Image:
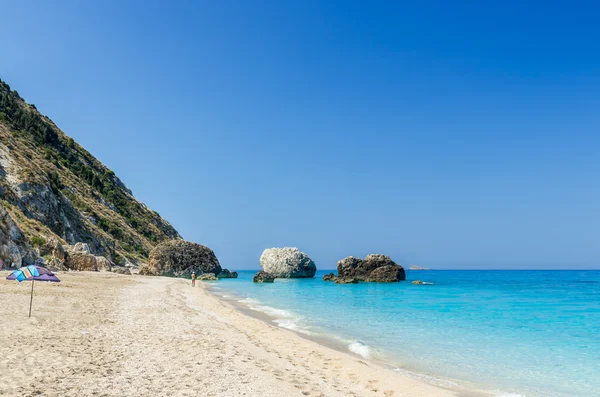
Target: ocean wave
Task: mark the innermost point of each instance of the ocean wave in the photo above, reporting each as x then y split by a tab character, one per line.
250	301
290	324
283	318
361	349
502	394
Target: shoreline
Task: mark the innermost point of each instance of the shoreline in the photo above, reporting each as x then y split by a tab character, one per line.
330	341
113	335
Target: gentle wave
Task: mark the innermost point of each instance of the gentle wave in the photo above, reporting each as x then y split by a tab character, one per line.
502	394
283	318
361	349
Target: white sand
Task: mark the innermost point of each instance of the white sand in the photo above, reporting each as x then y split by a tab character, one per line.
100	334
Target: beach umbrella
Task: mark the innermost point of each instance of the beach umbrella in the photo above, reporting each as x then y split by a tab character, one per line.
33	273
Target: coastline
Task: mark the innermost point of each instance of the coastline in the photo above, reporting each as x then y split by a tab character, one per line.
461	389
107	334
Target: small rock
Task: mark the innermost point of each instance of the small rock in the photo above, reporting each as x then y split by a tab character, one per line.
329	277
263	277
227	274
207	277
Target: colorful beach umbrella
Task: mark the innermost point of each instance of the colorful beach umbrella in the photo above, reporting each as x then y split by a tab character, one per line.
33	273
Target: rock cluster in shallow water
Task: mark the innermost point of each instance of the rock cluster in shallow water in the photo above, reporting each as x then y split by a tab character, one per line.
227	274
263	277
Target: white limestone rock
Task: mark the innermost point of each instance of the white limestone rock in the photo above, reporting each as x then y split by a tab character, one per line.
287	262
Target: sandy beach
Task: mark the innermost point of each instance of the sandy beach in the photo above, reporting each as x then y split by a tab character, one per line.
101	334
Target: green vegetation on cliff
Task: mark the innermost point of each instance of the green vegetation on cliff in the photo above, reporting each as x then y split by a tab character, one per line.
52	187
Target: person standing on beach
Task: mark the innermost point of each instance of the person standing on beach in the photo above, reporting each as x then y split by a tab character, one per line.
193	279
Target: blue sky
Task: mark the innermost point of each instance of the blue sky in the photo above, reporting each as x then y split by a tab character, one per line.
444	134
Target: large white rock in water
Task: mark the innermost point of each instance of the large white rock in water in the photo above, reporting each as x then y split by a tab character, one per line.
287	262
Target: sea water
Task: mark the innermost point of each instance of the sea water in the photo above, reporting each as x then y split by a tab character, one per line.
515	333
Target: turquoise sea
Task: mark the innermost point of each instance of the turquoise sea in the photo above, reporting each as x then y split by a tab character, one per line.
515	333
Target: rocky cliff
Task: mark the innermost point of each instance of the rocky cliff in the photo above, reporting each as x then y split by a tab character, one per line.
51	188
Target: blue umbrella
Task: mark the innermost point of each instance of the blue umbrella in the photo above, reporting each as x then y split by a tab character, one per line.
33	273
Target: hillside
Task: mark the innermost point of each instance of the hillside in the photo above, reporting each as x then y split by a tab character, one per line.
51	188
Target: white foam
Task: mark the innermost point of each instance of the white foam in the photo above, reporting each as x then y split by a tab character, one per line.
283	318
250	301
290	324
361	349
502	394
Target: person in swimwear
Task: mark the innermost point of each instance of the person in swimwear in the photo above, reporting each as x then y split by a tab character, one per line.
193	279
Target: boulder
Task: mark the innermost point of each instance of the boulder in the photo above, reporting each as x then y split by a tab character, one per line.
55	265
81	248
387	274
227	274
180	258
348	280
207	277
329	277
263	277
287	263
122	270
374	268
145	271
53	248
59	252
79	260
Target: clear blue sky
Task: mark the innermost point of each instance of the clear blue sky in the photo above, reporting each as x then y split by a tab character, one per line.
444	134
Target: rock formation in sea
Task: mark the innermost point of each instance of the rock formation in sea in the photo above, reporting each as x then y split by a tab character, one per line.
374	268
52	189
179	258
347	280
329	277
207	277
287	262
227	274
263	277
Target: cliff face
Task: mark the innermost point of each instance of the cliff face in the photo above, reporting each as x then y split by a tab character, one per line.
52	188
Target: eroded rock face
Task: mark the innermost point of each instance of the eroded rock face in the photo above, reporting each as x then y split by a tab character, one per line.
263	277
287	262
374	268
179	258
227	274
14	247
